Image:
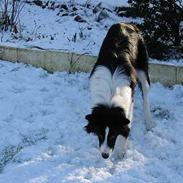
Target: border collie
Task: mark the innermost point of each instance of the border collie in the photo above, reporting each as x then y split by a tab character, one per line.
121	64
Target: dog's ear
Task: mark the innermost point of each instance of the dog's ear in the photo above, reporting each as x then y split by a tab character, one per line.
89	117
126	121
89	127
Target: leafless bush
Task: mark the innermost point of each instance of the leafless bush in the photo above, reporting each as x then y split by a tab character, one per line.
73	61
9	14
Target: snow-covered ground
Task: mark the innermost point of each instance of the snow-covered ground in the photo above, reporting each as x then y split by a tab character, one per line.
57	29
42	138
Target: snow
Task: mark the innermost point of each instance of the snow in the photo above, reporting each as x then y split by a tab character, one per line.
42	115
42	138
50	30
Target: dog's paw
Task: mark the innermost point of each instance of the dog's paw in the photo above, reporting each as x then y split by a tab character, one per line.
150	125
119	156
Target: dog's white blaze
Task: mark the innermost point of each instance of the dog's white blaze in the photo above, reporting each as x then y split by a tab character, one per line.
111	89
104	148
145	89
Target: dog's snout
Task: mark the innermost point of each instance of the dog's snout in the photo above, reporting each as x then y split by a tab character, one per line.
105	155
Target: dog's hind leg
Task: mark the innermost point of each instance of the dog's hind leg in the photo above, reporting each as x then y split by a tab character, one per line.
145	83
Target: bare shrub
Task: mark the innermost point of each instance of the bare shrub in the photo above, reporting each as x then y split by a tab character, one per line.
9	14
74	61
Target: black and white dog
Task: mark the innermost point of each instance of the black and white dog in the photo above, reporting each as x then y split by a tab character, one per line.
121	64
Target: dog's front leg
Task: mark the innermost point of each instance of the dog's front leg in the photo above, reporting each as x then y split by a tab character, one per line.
120	147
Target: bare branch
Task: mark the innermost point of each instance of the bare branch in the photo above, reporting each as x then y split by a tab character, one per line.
10	14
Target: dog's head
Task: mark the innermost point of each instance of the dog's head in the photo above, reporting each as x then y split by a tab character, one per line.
107	123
